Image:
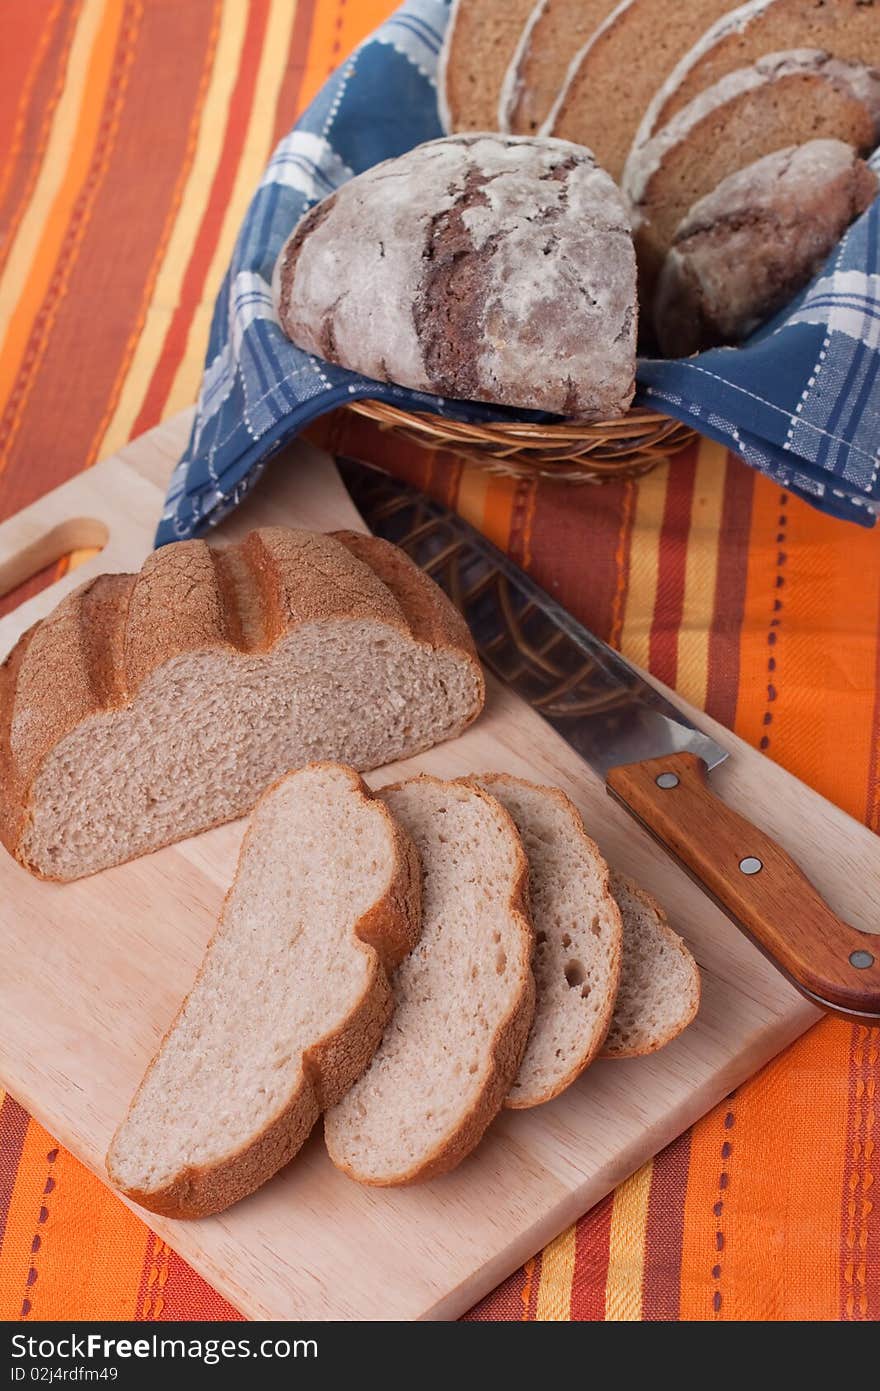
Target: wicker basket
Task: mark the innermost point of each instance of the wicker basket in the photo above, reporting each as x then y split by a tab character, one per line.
571	451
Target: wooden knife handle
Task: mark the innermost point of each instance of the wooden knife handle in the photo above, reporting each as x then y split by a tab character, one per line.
755	881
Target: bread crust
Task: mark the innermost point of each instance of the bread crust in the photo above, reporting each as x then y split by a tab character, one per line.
675	942
594	1041
93	653
387	932
511	1035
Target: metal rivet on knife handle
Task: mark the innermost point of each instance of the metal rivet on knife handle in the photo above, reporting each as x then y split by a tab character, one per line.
862	960
667	780
751	865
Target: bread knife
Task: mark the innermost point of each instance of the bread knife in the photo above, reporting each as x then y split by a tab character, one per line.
654	761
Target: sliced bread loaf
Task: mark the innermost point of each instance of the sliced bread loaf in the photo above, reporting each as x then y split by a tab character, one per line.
784	99
149	707
289	1003
449	268
616	74
849	29
577	938
464	999
745	249
659	991
556	30
480	41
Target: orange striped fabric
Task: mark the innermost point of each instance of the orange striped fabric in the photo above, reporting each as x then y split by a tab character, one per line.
131	134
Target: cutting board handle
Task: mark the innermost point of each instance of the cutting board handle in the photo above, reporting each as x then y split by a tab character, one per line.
757	883
18	565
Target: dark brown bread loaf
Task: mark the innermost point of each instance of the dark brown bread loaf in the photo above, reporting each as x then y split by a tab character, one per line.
618	71
849	29
480	41
783	99
491	268
745	249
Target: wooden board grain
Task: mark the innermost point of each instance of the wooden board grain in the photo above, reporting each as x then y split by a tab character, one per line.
93	972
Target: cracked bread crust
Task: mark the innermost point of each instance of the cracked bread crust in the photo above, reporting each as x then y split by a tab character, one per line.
748	247
450	268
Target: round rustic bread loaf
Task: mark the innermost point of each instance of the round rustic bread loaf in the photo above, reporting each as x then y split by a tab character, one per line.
556	30
847	28
480	40
482	267
745	249
783	99
618	71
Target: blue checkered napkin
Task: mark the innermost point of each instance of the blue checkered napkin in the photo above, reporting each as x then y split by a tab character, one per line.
799	402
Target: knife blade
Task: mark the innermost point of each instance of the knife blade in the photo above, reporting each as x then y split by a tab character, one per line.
655	762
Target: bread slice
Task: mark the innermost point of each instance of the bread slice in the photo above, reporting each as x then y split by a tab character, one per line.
556	30
578	936
850	29
784	99
149	707
750	245
659	990
479	43
617	72
289	1003
464	998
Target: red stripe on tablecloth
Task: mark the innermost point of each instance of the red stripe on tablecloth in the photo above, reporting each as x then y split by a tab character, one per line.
24	141
591	1262
515	1300
205	243
81	373
661	1290
669	605
574	538
13	1128
722	683
289	101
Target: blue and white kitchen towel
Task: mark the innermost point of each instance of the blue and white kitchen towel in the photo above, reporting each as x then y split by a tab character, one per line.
801	402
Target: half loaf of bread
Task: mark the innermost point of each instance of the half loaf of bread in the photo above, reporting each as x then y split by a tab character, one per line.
464	998
149	707
289	1003
577	938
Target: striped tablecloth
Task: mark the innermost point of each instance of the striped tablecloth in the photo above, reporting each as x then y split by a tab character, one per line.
131	134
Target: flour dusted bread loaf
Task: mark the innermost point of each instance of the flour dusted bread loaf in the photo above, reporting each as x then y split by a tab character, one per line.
578	935
289	1003
149	707
744	250
849	29
555	31
480	40
618	71
784	99
463	998
659	992
480	267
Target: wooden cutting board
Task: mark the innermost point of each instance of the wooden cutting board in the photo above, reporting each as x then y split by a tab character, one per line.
92	973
